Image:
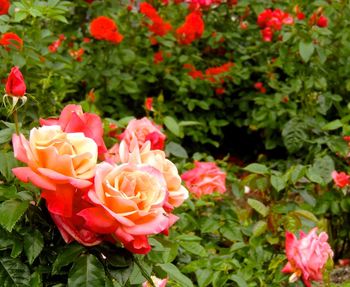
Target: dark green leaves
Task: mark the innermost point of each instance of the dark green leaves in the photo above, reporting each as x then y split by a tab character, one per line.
87	271
13	273
11	211
33	244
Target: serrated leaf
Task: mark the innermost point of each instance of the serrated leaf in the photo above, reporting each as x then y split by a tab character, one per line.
7	163
66	257
297	173
194	248
33	245
294	135
258	206
175	274
259	228
239	280
320	172
13	273
172	125
231	233
305	213
11	211
277	182
87	271
176	150
204	277
333	125
257	168
306	49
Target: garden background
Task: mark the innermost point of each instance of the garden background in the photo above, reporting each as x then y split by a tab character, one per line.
259	89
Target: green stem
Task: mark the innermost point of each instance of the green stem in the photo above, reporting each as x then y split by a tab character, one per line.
15	118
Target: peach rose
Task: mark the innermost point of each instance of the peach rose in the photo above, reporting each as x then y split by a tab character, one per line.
57	162
205	178
131	153
307	256
74	120
129	201
144	130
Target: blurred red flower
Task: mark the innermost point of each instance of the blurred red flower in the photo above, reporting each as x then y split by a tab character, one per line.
4	7
192	29
104	28
11	39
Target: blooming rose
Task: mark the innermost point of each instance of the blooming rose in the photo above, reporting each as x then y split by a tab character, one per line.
191	29
57	162
11	39
131	153
73	120
322	21
15	85
144	130
4	7
104	28
156	281
205	178
307	256
129	202
341	179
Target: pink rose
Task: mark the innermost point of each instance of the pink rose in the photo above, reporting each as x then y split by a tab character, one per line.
341	179
144	130
129	201
307	256
74	120
57	162
205	178
156	281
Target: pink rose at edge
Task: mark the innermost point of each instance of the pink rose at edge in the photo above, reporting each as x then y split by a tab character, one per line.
73	120
205	178
341	179
307	256
156	281
144	130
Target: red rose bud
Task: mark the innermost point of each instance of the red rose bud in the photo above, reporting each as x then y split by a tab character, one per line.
322	21
15	85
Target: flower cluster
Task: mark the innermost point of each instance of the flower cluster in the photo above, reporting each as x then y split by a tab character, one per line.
56	44
307	256
191	29
271	21
157	26
205	178
104	28
10	39
124	200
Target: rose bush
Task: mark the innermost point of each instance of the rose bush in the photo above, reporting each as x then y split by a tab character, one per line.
253	92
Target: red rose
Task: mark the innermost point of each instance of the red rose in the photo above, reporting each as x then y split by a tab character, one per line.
15	85
104	28
4	7
322	21
11	40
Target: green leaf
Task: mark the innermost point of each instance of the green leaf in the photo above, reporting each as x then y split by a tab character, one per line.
176	150
259	228
11	211
333	125
297	173
219	279
320	172
277	182
306	49
172	125
231	233
8	192
175	274
87	271
6	135
33	245
294	135
306	214
257	168
35	280
239	280
13	273
67	256
7	163
194	248
258	206
204	277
